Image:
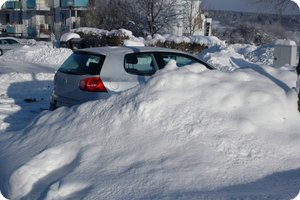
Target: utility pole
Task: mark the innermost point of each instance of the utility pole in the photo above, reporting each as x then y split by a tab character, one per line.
70	5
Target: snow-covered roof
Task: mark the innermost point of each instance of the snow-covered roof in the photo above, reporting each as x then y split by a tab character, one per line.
285	42
67	36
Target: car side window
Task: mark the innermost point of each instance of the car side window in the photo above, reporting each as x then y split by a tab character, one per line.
10	41
181	59
140	64
4	42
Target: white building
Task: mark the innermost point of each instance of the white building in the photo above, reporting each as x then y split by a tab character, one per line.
40	18
193	21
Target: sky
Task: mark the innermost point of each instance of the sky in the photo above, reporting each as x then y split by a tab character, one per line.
238	5
2	2
246	6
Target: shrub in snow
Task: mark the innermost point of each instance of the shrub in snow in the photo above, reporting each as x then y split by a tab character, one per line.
98	37
183	46
244	34
191	44
93	37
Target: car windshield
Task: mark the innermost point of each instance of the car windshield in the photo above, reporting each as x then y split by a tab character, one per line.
82	63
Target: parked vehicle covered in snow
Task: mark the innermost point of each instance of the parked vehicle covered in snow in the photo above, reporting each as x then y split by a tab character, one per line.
8	43
96	73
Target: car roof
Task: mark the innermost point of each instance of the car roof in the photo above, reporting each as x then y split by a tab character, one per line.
9	38
127	49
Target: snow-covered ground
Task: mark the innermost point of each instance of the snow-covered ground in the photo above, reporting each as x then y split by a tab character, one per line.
188	133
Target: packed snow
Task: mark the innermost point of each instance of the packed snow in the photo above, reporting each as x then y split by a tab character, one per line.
188	133
68	36
208	41
285	42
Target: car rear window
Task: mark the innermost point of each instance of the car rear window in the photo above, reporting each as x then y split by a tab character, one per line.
82	63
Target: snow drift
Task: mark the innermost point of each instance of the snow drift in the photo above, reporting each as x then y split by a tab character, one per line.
188	133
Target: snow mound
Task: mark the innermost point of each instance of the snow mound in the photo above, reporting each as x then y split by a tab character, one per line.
188	133
232	57
285	42
137	42
67	36
41	53
223	59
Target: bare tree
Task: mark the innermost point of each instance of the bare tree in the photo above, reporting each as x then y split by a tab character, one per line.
192	16
156	16
142	17
107	14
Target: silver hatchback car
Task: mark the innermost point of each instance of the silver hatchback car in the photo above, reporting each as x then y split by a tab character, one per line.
8	43
97	73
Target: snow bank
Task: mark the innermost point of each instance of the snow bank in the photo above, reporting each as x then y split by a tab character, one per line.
224	59
188	133
232	57
41	53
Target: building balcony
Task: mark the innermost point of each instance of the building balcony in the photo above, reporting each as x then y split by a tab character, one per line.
31	4
12	5
74	3
38	4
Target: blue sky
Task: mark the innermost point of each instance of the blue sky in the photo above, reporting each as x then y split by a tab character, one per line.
244	5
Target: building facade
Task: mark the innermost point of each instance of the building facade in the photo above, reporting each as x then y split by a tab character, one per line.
41	18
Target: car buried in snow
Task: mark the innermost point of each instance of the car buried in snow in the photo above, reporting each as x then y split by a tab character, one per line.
97	73
8	43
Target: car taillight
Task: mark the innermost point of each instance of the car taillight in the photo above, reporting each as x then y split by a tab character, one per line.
92	84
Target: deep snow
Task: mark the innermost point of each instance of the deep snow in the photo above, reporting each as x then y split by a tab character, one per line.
188	133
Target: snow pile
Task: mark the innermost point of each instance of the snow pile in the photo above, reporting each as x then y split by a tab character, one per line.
41	53
208	41
67	36
285	42
90	31
28	41
131	41
223	59
188	133
101	32
232	57
261	55
134	43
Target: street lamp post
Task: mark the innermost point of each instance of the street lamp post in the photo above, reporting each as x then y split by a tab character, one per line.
70	5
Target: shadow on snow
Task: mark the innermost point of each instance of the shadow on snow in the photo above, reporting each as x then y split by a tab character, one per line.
30	99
